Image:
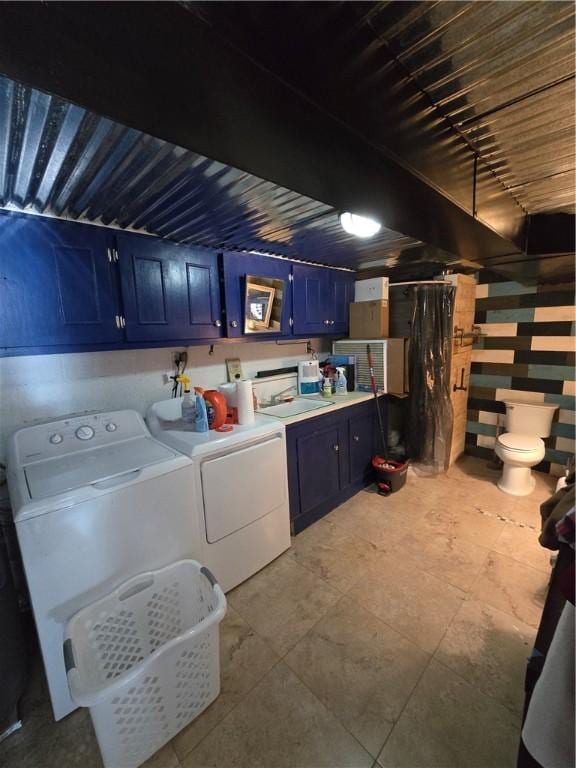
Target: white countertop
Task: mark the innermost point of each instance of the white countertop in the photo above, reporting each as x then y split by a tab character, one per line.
337	402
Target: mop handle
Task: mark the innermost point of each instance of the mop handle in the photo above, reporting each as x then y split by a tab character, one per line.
375	391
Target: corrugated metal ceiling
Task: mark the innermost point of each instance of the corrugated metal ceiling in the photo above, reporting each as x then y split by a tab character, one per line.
503	74
435	83
59	159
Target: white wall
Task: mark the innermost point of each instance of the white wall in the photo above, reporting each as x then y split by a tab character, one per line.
51	386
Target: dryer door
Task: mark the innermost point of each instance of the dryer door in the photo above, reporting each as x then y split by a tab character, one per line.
243	486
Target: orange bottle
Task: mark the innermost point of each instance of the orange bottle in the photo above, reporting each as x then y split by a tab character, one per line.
215	407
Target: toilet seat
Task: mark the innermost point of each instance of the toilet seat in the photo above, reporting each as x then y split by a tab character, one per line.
513	441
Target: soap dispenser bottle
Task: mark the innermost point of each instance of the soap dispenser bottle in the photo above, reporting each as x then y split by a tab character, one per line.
201	414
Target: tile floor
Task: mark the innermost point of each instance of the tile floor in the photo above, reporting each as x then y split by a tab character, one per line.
393	634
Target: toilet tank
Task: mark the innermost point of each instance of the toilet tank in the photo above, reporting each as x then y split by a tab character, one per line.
529	418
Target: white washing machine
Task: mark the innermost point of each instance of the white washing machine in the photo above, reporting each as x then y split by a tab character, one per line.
240	493
96	500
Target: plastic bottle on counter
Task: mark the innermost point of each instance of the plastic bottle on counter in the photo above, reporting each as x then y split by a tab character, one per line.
188	407
215	408
341	383
327	387
201	415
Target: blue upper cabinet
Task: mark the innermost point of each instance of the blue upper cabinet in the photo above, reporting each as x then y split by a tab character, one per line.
56	284
340	295
321	299
170	292
268	280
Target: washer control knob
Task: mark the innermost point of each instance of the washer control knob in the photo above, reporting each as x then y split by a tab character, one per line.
84	432
56	438
111	427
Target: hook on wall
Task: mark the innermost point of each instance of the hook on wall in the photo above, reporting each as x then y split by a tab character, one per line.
211	350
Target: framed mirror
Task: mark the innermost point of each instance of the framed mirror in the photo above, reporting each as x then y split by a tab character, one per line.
263	305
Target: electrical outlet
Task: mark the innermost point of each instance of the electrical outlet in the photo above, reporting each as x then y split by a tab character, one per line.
167	378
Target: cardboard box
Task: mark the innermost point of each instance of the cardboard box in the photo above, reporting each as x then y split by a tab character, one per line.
375	289
369	320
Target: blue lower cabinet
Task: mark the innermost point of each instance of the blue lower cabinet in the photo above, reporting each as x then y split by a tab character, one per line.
328	461
361	443
57	285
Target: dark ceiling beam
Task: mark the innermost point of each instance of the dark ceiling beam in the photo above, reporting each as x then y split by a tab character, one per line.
157	68
551	233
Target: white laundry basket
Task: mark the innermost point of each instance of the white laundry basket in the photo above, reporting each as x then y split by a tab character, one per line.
145	659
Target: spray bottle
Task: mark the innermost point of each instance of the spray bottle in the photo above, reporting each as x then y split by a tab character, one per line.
341	383
188	407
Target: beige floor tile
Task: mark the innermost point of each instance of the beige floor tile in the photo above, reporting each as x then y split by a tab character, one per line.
458	521
280	724
453	560
335	555
283	601
526	510
489	649
416	604
164	758
360	668
244	659
509	586
376	520
522	544
450	724
70	742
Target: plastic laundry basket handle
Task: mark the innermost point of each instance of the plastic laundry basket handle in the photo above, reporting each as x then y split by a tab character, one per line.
209	575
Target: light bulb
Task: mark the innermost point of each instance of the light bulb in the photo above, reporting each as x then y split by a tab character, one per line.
361	226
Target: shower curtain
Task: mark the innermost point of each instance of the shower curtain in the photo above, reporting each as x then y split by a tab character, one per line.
430	416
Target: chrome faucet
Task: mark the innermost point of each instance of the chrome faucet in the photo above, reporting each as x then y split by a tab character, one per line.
277	398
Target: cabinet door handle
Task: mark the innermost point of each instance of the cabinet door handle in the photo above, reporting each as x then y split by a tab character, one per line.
122	321
356	439
456	388
326	322
331	322
217	323
234	323
118	321
336	448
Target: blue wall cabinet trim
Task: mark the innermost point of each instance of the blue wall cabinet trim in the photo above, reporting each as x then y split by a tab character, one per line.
236	267
57	285
170	292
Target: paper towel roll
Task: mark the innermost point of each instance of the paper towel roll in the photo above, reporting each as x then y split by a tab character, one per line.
245	402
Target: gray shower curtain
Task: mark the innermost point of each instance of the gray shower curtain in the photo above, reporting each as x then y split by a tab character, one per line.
430	416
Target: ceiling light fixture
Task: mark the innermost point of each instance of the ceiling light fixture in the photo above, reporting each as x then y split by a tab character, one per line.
361	226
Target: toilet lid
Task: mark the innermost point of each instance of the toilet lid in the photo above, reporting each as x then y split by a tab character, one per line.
517	442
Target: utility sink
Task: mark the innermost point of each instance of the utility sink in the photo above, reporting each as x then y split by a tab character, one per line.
294	407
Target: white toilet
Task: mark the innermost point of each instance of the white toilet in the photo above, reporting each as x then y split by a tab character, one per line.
521	447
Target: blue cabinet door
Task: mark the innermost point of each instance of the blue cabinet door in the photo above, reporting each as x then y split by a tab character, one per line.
319	466
169	291
237	267
361	445
311	299
57	285
341	294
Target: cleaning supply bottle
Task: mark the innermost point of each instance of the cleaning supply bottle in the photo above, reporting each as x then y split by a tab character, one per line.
341	383
188	407
215	408
327	387
201	414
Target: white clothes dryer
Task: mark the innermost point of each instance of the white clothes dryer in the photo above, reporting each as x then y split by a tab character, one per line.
240	493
